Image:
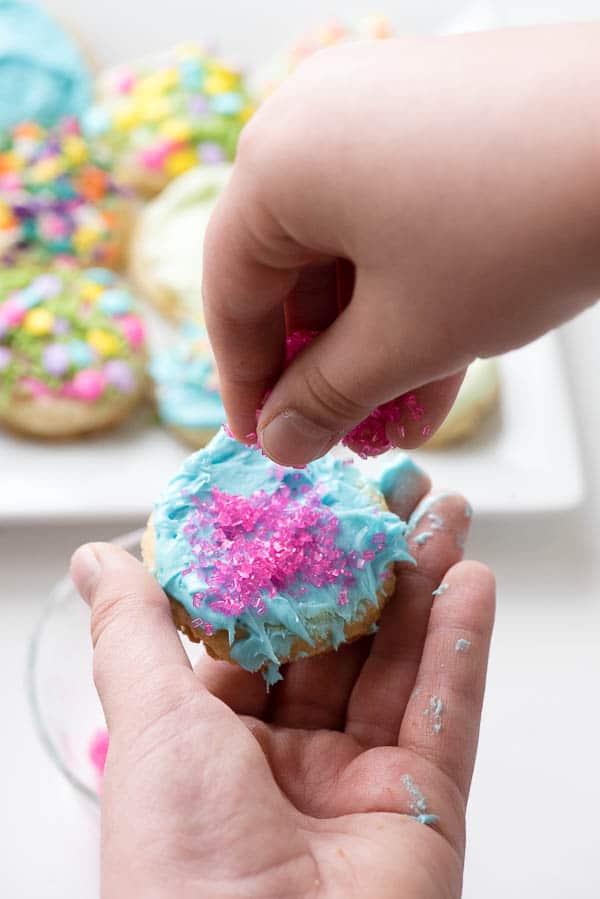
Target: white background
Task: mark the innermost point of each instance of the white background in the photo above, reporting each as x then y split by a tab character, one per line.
533	828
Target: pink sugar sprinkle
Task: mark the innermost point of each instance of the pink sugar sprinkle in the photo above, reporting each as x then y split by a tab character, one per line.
98	750
296	341
426	431
343	600
415	409
205	626
260	545
369	438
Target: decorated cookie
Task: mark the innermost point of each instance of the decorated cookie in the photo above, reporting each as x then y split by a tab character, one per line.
266	564
327	34
161	117
71	352
186	388
476	400
57	201
43	76
166	251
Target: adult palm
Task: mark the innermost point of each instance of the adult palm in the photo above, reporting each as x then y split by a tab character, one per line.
350	779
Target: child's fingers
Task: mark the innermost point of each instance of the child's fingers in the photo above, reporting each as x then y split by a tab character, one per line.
441	723
426	409
248	274
383	688
312	303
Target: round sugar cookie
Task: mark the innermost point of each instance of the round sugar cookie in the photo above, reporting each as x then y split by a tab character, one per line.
57	201
159	117
265	564
476	399
166	250
186	387
72	356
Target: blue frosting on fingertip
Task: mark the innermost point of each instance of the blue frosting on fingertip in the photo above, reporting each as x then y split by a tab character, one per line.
366	537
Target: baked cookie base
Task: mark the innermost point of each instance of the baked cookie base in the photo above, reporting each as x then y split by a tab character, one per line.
59	418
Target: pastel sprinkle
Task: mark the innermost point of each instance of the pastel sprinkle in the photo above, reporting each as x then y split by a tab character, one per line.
441	589
56	359
462	645
5	357
87	385
422	538
119	374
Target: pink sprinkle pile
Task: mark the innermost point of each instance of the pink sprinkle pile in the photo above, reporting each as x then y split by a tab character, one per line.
260	545
369	438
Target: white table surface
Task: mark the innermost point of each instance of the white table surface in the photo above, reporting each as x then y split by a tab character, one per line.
533	827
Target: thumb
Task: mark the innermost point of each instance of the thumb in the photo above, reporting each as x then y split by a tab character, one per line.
134	638
335	383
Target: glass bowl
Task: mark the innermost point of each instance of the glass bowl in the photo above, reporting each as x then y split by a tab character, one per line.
66	710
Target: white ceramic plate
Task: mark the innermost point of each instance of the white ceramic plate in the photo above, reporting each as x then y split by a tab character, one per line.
525	459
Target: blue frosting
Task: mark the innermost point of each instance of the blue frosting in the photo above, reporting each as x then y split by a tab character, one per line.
261	641
184	378
43	76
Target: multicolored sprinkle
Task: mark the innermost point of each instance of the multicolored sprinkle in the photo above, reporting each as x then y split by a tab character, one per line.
69	333
169	116
56	199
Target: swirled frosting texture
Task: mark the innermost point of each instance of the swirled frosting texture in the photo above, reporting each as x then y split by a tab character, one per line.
272	555
42	73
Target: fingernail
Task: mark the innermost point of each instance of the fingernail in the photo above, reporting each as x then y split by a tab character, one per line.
85	571
291	439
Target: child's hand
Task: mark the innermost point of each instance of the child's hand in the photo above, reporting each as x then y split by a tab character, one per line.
215	789
459	175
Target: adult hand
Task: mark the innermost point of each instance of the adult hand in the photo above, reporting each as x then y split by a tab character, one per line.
350	779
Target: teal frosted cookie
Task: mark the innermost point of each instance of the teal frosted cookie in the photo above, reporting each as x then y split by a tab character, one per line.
43	76
266	564
186	387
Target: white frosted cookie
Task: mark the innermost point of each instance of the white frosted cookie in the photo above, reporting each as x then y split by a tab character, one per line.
166	254
477	397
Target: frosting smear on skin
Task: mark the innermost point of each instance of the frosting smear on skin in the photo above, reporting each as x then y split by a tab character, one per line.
272	555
